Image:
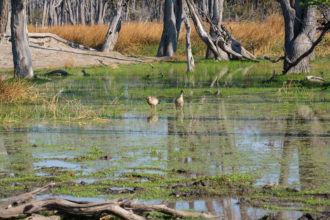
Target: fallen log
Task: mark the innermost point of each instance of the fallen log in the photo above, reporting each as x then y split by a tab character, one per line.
62	72
54	36
27	204
23	198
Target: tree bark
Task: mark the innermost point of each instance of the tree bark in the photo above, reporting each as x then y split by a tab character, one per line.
169	40
190	58
82	12
114	29
216	10
20	45
44	12
300	32
4	16
224	41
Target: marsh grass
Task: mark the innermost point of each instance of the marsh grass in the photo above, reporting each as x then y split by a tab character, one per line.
16	90
108	93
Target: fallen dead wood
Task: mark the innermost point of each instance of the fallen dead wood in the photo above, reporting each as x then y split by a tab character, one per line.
62	72
224	39
54	36
23	198
26	204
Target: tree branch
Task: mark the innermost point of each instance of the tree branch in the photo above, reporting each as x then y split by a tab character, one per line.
291	64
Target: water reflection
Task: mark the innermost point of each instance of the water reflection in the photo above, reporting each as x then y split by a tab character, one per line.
230	209
286	143
205	139
152	118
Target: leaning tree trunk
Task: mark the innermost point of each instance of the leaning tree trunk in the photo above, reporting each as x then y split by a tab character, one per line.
224	40
20	45
4	12
169	40
300	32
216	10
114	29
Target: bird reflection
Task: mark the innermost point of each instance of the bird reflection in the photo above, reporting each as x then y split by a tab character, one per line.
153	118
179	115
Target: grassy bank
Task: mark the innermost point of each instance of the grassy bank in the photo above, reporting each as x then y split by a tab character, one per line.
63	98
143	38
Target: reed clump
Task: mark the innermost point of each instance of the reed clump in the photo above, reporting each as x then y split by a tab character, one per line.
14	90
140	38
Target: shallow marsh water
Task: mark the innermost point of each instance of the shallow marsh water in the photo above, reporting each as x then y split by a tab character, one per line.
282	139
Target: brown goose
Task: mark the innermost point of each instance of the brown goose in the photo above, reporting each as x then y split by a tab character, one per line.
152	101
179	101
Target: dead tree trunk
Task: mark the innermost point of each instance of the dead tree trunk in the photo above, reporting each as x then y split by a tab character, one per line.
4	13
300	32
44	12
114	29
224	40
190	58
82	12
20	45
216	10
172	24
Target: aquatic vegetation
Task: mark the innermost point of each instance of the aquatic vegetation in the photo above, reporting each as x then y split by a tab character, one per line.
96	137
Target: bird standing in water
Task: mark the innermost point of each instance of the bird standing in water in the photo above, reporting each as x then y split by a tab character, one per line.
152	101
179	101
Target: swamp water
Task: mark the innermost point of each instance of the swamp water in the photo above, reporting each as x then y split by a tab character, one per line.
278	138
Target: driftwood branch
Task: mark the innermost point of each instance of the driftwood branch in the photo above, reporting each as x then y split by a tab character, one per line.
26	204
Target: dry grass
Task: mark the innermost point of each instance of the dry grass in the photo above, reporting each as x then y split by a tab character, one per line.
14	90
267	37
137	38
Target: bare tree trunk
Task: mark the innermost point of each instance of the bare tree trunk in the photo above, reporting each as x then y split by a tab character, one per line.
44	12
69	9
216	10
4	12
82	12
100	12
20	45
92	12
169	40
114	29
179	16
190	58
224	41
300	32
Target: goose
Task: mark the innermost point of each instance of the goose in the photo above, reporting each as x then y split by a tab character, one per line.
152	101
179	101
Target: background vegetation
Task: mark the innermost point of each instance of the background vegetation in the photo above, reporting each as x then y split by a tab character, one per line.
140	38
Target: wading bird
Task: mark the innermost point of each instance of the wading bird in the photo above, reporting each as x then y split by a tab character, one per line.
179	101
152	101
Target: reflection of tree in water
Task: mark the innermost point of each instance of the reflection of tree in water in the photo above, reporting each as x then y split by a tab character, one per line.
19	154
287	152
192	134
311	148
